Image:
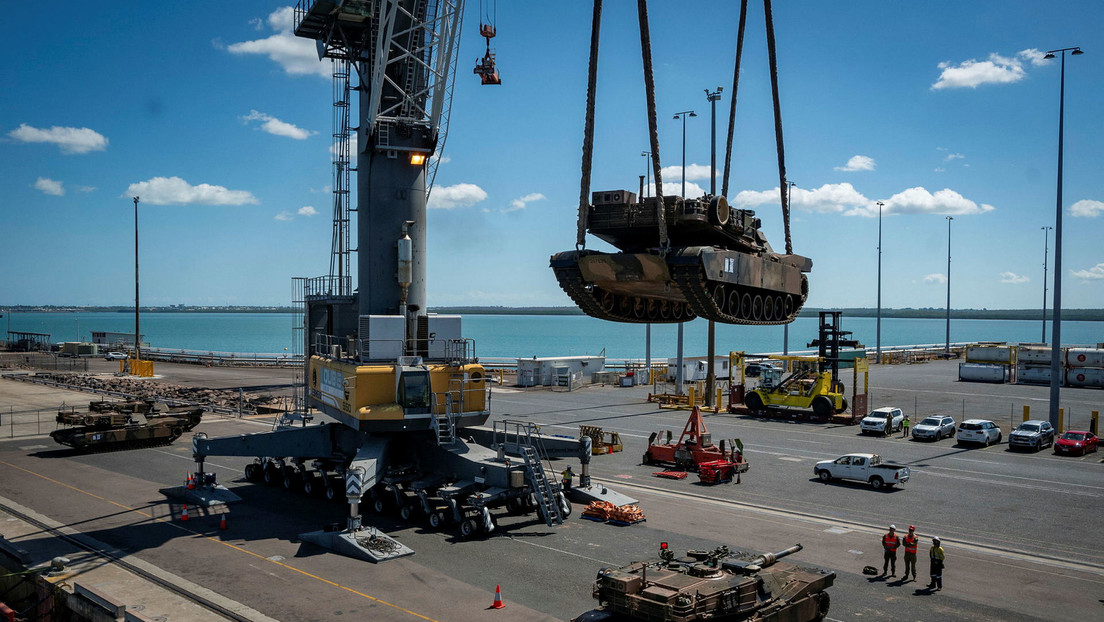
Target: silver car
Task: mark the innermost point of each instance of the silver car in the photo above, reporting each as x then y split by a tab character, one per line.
934	427
981	431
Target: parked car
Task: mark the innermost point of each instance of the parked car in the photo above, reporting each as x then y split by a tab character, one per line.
115	356
934	427
864	468
980	431
883	421
753	370
1034	434
1076	442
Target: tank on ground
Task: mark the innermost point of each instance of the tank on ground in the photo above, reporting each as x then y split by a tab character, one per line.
719	264
110	426
717	585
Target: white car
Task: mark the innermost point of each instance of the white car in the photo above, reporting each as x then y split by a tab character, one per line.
115	356
980	431
934	427
883	421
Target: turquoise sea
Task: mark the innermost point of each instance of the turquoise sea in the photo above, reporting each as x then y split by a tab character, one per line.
514	336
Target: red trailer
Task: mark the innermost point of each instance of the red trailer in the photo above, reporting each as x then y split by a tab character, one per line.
694	447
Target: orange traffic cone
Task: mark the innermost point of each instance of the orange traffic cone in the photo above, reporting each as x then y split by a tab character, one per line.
498	604
184	513
191	481
222	523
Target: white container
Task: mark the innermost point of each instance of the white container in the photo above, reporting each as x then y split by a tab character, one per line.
1085	357
1085	377
1034	374
983	372
1033	355
990	354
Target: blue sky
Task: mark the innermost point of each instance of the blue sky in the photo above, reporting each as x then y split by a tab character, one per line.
220	120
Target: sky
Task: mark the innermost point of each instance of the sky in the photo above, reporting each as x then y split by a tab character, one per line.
220	120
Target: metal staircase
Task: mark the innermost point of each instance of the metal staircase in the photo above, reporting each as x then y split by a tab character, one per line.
527	443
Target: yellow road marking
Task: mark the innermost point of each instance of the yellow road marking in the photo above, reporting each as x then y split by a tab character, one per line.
216	540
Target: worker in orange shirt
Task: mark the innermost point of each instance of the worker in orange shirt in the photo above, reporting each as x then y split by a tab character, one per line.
910	541
890	542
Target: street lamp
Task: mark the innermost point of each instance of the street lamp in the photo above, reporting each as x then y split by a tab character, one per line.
647	170
711	350
878	339
1046	234
1056	339
947	348
786	327
683	115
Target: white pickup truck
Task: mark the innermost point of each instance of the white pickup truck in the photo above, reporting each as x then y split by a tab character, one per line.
864	468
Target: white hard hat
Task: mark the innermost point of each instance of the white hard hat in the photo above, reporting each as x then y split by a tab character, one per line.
935	538
893	527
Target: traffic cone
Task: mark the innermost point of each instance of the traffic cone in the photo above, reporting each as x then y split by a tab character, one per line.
498	604
184	513
191	481
222	523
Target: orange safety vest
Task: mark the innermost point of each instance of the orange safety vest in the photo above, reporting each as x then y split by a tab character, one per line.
891	542
910	544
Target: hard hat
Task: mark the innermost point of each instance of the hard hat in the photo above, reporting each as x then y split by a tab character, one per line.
893	527
912	527
935	539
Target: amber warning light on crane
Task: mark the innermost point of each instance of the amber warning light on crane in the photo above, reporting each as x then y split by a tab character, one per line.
417	159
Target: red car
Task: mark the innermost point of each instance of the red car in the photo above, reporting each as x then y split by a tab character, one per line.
1076	442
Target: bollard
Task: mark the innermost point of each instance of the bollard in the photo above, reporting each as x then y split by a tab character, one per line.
1027	412
1061	414
1093	421
717	403
690	395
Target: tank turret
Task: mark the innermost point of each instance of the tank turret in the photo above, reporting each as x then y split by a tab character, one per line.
716	585
717	264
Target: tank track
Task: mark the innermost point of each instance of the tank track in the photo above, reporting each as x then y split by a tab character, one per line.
605	305
71	440
737	304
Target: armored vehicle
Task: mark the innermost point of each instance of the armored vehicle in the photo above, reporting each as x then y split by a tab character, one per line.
718	265
717	585
109	426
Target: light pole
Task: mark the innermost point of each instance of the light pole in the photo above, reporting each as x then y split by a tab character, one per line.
1056	339
647	155
878	338
786	327
1046	234
711	350
683	116
647	170
679	372
947	348
137	333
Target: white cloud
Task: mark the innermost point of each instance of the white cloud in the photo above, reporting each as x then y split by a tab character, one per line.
296	55
828	199
459	195
68	139
176	191
307	210
996	70
520	203
1012	277
1086	209
86	188
49	186
935	278
352	147
940	169
953	156
1094	273
283	216
858	163
670	187
920	201
693	171
272	125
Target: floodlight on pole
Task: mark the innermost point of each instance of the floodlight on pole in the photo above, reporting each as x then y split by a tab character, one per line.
683	115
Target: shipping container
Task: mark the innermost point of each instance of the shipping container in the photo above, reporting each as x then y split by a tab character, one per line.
1085	357
1034	354
1003	354
1033	374
1085	377
983	372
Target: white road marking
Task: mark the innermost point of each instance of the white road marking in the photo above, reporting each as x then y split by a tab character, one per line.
789	459
977	461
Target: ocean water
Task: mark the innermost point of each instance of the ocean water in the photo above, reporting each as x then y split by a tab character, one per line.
524	336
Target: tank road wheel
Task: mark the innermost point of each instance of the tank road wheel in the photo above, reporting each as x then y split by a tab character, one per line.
754	402
719	298
607	301
757	308
253	472
823	407
823	602
664	310
788	307
640	309
768	308
467	528
734	302
779	312
624	306
676	311
651	310
745	306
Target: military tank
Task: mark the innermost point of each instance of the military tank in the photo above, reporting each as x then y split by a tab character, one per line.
111	426
716	585
718	265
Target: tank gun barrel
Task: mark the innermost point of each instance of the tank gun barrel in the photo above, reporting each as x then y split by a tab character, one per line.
768	559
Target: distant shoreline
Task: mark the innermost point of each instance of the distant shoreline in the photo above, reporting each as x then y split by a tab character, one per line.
1072	315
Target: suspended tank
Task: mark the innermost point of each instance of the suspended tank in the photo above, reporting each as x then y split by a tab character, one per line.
718	264
111	426
711	585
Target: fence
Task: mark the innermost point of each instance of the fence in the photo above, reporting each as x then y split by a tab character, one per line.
43	360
